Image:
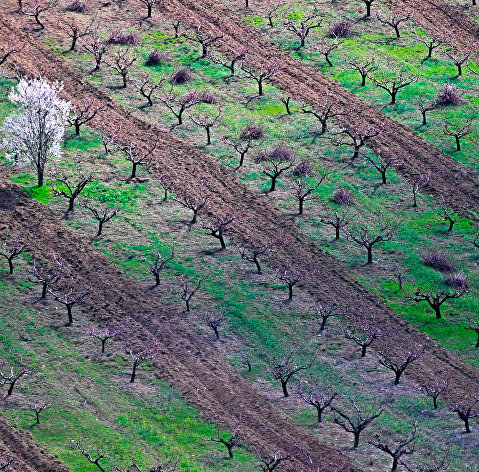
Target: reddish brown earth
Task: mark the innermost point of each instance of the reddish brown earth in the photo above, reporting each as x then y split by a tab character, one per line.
26	454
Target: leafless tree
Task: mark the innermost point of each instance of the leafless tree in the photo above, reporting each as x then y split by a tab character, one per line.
220	225
213	321
70	296
473	325
138	357
303	27
326	48
84	114
230	63
394	19
90	457
102	213
245	356
286	100
271	10
260	73
291	276
178	24
233	440
448	217
104	334
7	52
404	447
458	131
317	398
108	139
269	463
339	221
121	63
194	201
70	186
206	122
75	31
160	263
37	9
186	290
369	236
424	106
325	312
178	103
149	4
147	87
459	58
381	163
303	191
355	136
138	157
323	112
436	300
97	47
355	422
398	363
364	69
433	42
399	273
285	368
251	251
200	36
46	274
364	333
11	377
167	184
418	183
275	162
435	388
242	146
393	82
465	411
11	248
37	408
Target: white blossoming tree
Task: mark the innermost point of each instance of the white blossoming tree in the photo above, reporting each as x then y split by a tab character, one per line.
33	134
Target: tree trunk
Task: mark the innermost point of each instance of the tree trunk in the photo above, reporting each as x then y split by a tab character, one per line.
77	129
437	310
133	372
273	183
258	271
39	176
363	351
10	389
320	415
100	228
195	217
103	343
44	290
125	84
301	206
230	448
70	315
71	201
393	97
337	228
187	305
208	136
157	278
290	291
363	82
395	464
149	6
10	265
222	241
459	70
368	9
260	87
383	176
434	402
397	378
284	388
477	342
396	28
133	170
458	143
356	439
370	254
466	424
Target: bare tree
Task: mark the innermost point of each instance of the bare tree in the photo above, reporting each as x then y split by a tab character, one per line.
424	106
121	63
149	4
285	368
75	31
167	184
404	447
399	273
433	42
339	221
138	357
37	408
458	131
302	27
230	63
46	274
138	157
178	103
160	263
364	69
243	145
108	139
275	162
465	411
291	276
325	312
363	334
355	136
11	378
233	440
251	251
70	296
104	334
418	183
213	321
303	191
147	87
200	36
435	388
368	237
458	58
97	47
186	291
473	325
323	112
393	82
318	399
11	248
269	463
436	300
286	100
70	186
206	122
89	456
399	363
381	163
394	19
355	422
102	213
271	10
326	48
220	225
260	74
448	217
194	201
37	9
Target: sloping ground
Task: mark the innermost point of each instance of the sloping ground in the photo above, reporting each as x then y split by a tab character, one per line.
436	17
412	153
260	223
27	456
184	359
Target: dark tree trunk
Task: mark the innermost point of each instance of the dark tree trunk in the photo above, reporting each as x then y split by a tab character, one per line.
10	265
103	343
133	170
258	271
290	291
44	290
70	314
133	372
100	228
208	136
356	440
284	386
71	201
395	464
370	254
363	351
40	176
337	228
437	310
398	377
260	87
10	389
273	183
